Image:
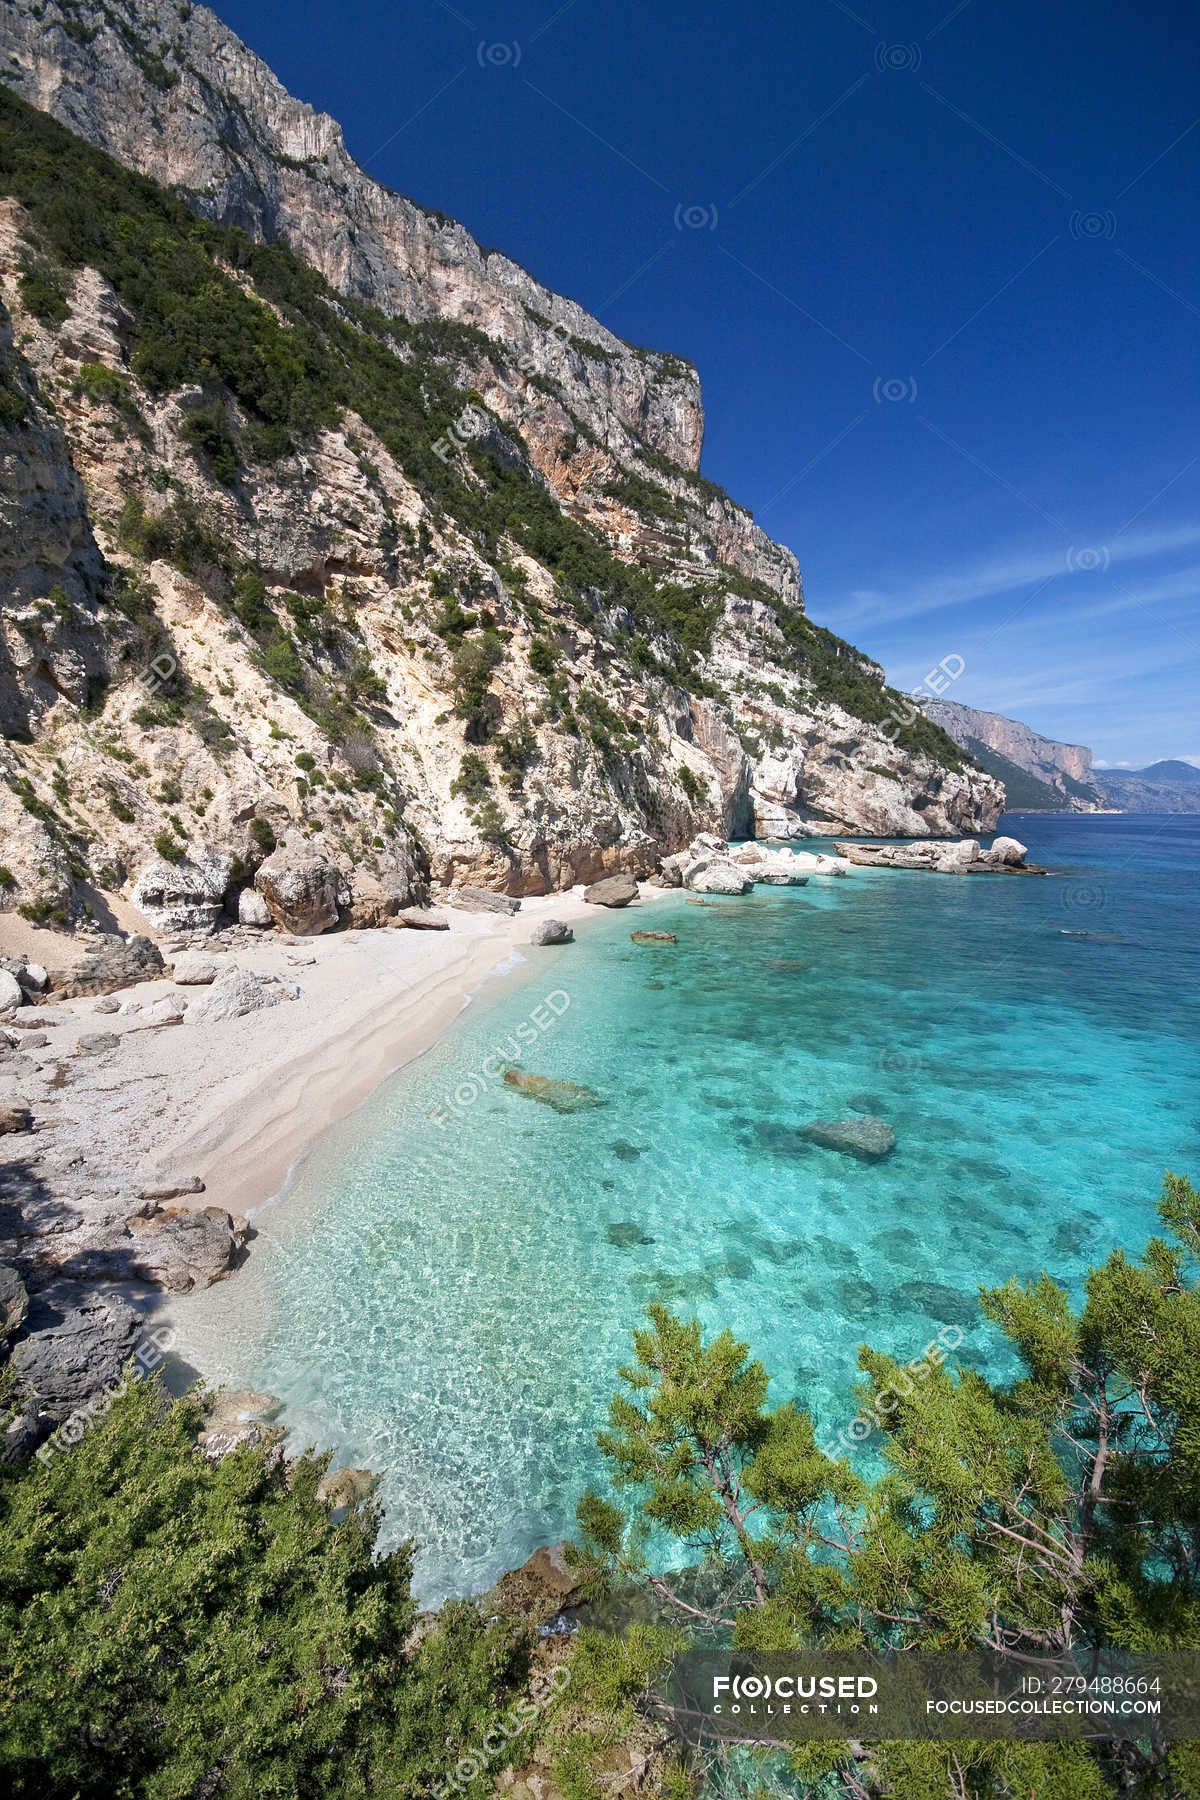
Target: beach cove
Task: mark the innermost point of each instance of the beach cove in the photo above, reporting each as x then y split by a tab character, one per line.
445	1288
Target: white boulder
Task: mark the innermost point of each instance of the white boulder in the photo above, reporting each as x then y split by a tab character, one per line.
11	994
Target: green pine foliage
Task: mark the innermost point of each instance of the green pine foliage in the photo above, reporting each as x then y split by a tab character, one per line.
1059	1511
172	1627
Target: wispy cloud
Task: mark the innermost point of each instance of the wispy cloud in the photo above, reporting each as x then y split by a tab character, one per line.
864	608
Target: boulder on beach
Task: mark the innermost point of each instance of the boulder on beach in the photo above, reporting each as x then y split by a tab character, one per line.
301	892
484	900
12	994
252	910
563	1096
182	1250
552	931
613	890
234	993
14	1118
184	896
866	1137
421	918
653	937
192	970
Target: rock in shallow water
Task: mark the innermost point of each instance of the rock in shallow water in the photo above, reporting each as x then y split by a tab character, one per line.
866	1137
563	1096
653	937
552	931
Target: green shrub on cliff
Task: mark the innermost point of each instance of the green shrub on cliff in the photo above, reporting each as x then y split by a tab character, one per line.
171	1627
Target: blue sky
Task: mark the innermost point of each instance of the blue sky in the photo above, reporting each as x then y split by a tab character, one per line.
937	266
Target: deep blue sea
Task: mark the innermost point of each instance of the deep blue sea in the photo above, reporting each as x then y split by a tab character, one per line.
447	1288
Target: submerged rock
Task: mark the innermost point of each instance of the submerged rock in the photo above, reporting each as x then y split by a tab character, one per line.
938	1300
563	1096
866	1137
624	1234
340	1488
653	937
613	890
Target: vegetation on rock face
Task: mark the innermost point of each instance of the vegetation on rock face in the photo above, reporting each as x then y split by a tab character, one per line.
1060	1511
276	355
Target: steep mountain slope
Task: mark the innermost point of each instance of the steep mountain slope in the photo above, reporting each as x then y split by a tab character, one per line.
1064	769
415	566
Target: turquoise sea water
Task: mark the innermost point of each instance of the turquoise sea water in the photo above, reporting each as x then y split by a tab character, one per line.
447	1289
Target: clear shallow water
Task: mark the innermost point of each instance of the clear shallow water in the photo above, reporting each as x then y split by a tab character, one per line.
445	1302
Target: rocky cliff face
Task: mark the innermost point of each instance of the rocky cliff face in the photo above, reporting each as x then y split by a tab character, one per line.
1067	768
337	531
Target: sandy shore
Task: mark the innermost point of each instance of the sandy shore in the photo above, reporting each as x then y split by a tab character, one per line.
236	1102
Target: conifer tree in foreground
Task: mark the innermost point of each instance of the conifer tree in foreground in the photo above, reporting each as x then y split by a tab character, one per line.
1059	1512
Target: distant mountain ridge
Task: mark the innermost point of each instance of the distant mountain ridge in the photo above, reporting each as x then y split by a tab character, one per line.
1040	774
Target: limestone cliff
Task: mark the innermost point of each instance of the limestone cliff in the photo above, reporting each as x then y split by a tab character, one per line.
1065	769
334	526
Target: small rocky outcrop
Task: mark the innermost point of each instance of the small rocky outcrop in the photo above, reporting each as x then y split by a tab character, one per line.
538	1590
552	931
238	1416
77	1344
14	1301
301	892
184	896
653	937
717	875
612	890
114	963
341	1488
865	1137
563	1096
960	857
